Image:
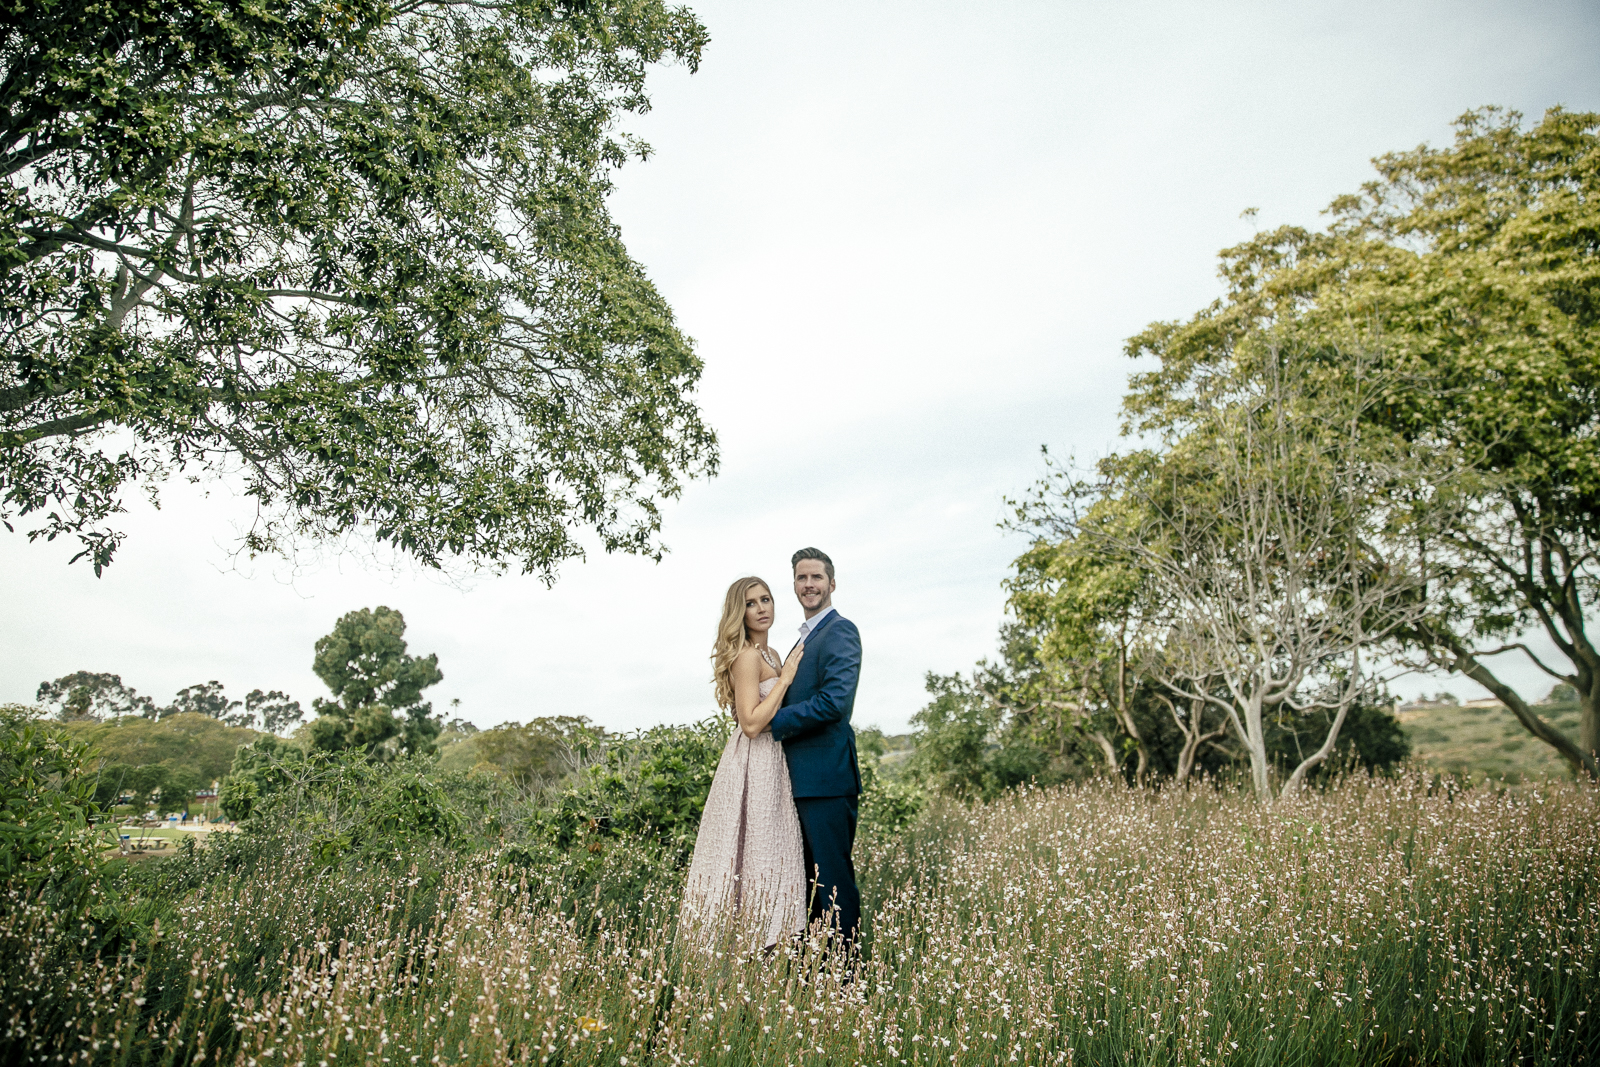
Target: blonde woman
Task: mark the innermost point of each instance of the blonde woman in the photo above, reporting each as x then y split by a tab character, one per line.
748	861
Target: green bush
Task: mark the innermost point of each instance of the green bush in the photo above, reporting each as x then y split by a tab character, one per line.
260	769
969	747
889	802
348	805
47	807
1370	738
651	784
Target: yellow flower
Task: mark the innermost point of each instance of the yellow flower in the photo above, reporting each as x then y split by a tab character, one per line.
591	1025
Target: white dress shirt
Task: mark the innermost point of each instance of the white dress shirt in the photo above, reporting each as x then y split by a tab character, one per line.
814	622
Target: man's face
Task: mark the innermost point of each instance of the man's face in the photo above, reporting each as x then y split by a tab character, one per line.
812	586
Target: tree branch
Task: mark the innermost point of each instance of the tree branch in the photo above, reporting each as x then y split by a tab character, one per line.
71	425
1467	664
1529	653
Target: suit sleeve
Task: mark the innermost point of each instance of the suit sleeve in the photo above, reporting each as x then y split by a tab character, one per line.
835	693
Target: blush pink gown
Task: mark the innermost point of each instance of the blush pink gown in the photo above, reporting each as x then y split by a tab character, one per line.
748	868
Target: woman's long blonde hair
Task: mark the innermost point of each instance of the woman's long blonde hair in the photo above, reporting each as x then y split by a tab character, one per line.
731	638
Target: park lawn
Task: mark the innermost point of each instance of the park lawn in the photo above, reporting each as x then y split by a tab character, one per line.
173	838
157	831
1488	743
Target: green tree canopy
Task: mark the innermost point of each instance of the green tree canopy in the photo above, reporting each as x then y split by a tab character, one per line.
209	699
353	252
261	768
1471	276
377	687
273	710
190	741
99	696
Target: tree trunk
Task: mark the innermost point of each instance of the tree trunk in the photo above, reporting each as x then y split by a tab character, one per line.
1123	714
1588	728
1256	744
1113	764
1292	786
1193	738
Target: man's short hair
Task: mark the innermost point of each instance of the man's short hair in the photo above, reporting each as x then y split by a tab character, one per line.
812	553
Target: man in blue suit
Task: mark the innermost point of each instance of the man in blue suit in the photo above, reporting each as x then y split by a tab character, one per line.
819	743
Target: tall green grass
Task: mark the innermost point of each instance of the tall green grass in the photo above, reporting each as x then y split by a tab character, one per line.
1391	921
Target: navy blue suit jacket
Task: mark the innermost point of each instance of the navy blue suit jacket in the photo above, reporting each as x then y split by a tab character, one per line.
814	722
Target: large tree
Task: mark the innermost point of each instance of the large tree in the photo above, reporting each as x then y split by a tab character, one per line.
354	253
1260	569
1472	273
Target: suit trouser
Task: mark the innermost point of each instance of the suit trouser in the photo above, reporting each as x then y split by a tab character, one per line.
828	828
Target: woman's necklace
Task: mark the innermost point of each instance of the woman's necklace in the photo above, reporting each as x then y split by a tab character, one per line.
771	657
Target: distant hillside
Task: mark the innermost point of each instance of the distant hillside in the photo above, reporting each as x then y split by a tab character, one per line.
195	742
1487	741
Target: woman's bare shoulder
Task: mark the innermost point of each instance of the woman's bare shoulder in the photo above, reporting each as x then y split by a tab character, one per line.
747	656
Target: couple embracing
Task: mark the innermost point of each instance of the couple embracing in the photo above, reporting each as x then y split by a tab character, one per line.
773	853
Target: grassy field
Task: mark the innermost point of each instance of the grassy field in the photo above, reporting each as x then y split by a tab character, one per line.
1401	922
1487	742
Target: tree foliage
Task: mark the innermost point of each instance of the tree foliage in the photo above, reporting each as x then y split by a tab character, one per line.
651	784
260	768
354	252
534	757
196	744
1086	602
209	699
274	711
92	695
97	696
968	745
1472	275
377	686
46	804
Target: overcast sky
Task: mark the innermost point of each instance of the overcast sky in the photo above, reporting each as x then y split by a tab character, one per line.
909	239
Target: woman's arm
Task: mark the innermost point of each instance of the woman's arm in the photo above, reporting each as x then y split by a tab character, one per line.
752	712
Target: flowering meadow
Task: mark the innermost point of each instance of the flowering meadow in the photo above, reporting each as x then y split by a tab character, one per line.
1380	921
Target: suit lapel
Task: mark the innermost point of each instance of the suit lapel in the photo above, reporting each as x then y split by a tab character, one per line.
826	622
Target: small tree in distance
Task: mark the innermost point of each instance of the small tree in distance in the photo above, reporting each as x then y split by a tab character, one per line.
92	695
273	710
377	687
208	699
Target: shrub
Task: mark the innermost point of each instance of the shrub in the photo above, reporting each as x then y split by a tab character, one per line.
651	784
889	802
260	769
47	807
